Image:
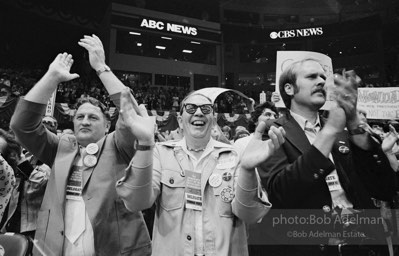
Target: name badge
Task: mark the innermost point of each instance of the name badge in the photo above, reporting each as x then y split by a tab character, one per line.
192	193
333	182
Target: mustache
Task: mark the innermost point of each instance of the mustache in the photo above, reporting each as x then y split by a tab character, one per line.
320	89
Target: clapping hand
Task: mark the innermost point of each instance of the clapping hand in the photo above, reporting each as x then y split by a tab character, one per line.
95	48
61	66
258	150
346	94
136	119
390	140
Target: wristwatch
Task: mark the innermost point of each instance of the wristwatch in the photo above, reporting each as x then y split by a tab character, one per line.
139	147
358	130
104	68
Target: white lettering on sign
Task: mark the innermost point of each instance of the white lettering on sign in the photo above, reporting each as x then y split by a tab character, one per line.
170	27
304	32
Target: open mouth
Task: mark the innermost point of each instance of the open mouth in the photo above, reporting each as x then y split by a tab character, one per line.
198	123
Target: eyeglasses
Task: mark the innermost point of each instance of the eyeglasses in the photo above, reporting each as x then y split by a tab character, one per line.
192	108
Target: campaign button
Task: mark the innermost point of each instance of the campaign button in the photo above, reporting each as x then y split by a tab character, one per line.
215	180
92	148
227	176
343	149
90	160
326	208
227	194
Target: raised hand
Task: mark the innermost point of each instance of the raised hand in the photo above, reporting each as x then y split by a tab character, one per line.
336	119
61	66
136	119
258	150
275	97
95	48
346	94
390	140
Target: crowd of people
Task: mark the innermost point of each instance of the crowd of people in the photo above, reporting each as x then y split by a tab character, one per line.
15	83
84	192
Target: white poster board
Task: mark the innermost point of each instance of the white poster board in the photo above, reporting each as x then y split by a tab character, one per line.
286	58
379	103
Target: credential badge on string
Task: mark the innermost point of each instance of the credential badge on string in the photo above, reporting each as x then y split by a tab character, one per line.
192	193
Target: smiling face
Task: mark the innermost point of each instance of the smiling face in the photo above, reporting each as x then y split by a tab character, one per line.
309	91
90	124
197	125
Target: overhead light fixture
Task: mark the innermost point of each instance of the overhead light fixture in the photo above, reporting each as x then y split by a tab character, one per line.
135	33
195	42
139	44
187	51
167	38
160	47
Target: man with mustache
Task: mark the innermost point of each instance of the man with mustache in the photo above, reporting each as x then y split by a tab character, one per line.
326	170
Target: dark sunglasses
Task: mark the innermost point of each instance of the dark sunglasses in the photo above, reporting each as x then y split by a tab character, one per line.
192	108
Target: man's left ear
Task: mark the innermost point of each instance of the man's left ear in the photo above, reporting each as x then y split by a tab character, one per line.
107	127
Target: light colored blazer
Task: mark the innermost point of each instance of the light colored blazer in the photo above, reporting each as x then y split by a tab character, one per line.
117	231
224	230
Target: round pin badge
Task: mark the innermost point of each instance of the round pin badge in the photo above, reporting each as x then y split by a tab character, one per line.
227	194
227	176
92	148
90	160
215	180
343	149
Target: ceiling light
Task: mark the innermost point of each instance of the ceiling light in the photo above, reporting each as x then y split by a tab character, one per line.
160	47
135	33
139	44
187	51
195	42
167	38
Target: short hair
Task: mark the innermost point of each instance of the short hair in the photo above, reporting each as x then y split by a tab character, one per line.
193	93
289	76
258	112
12	147
240	134
94	102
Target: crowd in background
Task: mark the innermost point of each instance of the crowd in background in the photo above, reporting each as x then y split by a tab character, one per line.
32	175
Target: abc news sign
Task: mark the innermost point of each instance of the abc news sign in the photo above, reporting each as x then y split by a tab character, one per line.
304	32
169	27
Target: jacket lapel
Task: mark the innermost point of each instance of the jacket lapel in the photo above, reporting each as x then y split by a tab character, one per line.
294	133
87	171
208	169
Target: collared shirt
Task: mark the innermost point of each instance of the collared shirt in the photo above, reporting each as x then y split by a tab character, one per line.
79	235
338	195
198	165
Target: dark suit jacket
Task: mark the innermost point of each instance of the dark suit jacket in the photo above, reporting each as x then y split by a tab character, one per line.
295	175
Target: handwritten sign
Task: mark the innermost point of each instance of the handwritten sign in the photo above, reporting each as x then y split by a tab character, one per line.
51	105
379	103
286	58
